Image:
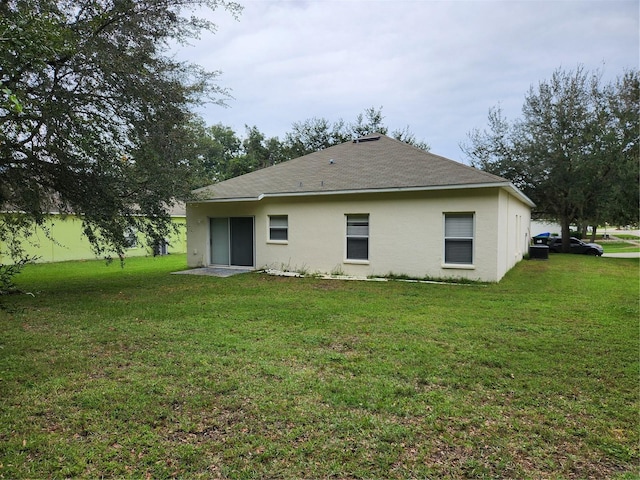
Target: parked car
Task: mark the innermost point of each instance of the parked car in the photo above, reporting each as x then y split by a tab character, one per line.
577	246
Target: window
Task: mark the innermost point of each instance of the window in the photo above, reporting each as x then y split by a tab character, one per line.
458	238
130	238
357	237
278	228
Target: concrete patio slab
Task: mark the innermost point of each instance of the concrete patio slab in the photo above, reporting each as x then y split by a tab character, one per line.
214	271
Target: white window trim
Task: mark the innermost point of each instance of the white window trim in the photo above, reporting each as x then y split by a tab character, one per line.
459	266
269	239
357	261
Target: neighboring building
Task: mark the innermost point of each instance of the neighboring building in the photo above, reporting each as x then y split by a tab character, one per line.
374	206
543	226
62	239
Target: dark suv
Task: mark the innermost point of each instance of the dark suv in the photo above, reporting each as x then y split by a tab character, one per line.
577	246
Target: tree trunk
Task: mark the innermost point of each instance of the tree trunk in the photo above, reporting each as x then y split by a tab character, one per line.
566	235
593	233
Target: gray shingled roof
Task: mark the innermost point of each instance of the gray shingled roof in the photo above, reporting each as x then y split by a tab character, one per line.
374	163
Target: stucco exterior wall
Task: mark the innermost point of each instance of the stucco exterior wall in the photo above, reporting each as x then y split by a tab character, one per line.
406	232
514	221
62	239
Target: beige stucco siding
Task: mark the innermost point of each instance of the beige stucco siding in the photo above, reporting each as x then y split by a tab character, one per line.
514	222
406	232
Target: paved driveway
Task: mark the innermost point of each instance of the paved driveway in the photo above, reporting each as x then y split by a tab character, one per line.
622	255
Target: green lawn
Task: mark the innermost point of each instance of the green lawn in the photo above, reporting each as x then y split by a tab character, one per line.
625	236
110	372
619	247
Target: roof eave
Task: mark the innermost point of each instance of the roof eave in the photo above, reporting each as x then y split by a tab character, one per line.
506	185
518	193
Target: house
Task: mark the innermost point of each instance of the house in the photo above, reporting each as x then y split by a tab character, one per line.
61	238
373	206
543	226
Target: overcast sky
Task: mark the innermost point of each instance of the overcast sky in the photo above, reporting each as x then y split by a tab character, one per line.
434	66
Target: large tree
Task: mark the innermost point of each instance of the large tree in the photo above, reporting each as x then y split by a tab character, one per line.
574	152
95	113
221	147
622	146
316	134
226	155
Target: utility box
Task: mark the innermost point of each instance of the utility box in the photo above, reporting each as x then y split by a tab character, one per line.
541	240
539	252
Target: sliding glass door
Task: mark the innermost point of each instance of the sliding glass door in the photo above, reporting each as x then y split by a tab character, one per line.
232	241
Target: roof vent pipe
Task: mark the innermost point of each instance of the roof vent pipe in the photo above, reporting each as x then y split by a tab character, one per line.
367	139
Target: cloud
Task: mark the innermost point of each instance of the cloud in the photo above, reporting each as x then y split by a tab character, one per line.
436	66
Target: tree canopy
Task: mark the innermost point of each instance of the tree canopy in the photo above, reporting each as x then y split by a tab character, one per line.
316	134
95	114
574	152
226	154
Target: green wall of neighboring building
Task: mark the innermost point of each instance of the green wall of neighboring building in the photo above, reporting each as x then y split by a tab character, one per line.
69	243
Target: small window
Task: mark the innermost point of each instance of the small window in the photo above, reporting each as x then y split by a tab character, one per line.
357	237
278	228
131	238
458	238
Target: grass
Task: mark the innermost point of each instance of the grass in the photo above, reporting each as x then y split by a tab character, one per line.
626	236
110	372
619	247
621	243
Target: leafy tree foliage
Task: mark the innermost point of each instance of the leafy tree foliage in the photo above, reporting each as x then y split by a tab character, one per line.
574	152
258	154
95	115
315	134
225	155
220	148
407	136
319	133
622	146
368	123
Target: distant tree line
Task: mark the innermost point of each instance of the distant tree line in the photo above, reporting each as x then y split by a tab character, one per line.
224	153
